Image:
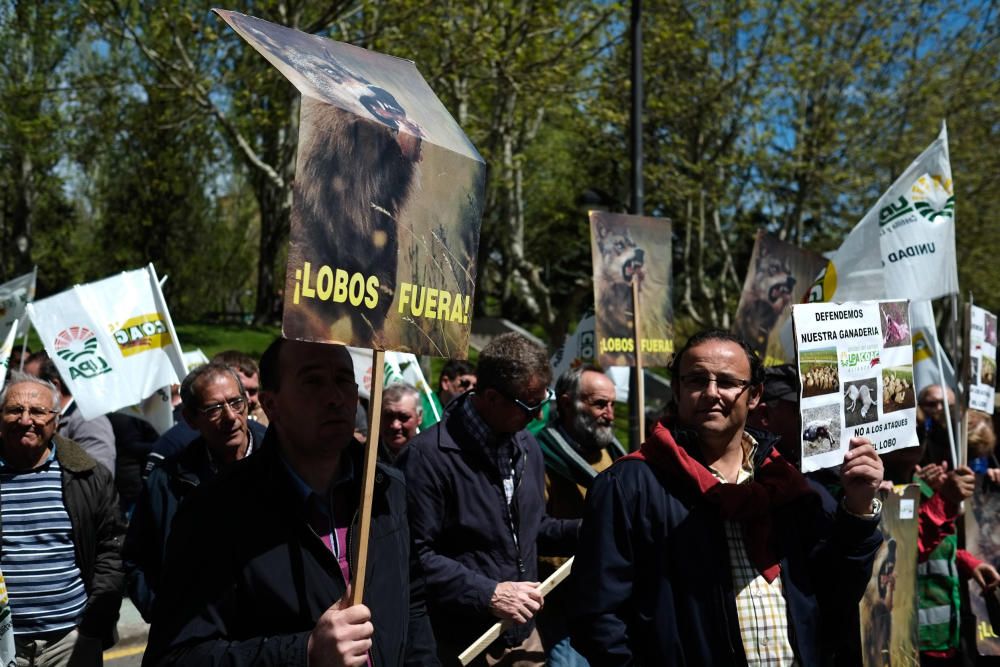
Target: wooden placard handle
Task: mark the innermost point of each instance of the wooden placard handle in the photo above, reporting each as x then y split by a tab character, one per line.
368	477
491	635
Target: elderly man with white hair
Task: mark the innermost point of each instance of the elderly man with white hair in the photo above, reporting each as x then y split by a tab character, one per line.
61	532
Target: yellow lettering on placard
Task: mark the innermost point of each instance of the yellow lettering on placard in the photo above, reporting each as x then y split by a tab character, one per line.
433	303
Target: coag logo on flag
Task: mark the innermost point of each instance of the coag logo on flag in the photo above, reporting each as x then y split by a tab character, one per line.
77	346
141	334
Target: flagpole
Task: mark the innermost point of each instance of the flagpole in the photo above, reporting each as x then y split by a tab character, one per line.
947	407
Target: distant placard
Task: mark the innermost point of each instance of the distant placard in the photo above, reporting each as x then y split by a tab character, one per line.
387	200
855	363
982	376
779	275
627	248
982	540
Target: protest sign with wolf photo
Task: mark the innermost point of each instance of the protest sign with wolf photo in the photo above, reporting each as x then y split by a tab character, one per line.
387	200
855	363
982	540
889	606
779	275
627	248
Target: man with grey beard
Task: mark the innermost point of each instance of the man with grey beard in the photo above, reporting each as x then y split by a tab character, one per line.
578	443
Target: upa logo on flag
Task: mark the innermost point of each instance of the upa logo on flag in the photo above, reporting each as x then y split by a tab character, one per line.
140	334
930	196
77	346
934	198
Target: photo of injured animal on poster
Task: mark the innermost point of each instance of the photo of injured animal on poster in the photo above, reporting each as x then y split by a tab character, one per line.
387	200
627	248
855	363
982	377
779	275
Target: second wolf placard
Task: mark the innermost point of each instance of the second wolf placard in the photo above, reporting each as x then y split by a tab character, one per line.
627	249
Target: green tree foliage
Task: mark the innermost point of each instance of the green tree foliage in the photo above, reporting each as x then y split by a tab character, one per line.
154	129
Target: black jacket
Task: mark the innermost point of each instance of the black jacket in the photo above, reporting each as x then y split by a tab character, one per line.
146	541
92	504
459	521
652	580
246	578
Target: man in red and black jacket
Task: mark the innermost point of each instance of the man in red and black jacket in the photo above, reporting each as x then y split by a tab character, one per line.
707	547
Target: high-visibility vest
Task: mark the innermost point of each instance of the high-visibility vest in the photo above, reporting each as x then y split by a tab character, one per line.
938	594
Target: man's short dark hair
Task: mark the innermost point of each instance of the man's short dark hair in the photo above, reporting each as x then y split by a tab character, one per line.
454	368
204	372
756	365
241	361
509	362
47	370
270	367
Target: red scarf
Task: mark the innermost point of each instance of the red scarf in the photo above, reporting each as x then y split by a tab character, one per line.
776	482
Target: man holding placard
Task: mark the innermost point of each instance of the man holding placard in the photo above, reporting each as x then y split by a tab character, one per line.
259	560
707	546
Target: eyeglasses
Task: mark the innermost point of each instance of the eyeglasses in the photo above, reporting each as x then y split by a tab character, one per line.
215	411
729	386
531	410
465	383
36	414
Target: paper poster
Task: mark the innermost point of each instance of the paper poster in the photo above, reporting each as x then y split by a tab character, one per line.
856	367
982	540
889	606
387	200
627	248
779	275
982	376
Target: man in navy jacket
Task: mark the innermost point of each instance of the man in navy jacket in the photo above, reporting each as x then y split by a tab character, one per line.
259	558
709	548
475	487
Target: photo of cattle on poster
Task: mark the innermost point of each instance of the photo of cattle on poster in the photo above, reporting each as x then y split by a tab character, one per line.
855	363
779	275
387	200
627	249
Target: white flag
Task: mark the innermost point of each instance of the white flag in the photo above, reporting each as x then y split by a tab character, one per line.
926	349
5	350
904	247
112	340
14	296
193	359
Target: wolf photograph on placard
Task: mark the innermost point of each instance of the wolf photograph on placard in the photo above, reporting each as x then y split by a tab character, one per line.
387	200
623	248
888	609
779	275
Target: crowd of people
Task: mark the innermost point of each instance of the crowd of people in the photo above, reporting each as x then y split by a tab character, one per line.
236	532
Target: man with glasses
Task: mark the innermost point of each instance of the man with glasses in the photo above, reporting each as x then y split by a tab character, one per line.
61	533
215	404
578	443
475	489
708	547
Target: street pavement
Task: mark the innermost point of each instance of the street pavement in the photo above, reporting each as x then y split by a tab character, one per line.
132	631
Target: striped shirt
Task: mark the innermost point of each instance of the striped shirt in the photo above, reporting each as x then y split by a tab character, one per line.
38	562
761	606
